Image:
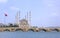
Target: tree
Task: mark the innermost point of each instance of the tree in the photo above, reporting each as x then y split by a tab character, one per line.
15	25
10	25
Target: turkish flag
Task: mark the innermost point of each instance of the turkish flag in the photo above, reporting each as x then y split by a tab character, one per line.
5	14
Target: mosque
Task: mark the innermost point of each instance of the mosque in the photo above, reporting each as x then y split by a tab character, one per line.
25	22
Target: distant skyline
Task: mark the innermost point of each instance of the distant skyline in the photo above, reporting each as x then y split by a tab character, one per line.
44	12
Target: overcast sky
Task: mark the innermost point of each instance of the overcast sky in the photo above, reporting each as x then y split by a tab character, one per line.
44	12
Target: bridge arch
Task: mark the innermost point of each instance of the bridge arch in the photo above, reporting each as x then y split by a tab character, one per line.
56	29
6	30
19	29
31	30
43	30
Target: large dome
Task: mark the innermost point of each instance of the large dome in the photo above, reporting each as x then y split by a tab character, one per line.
23	22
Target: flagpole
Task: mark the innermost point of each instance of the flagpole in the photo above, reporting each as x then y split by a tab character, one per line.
5	18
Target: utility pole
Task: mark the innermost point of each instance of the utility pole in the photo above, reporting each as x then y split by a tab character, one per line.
5	18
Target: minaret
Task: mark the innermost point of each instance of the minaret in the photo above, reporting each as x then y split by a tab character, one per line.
30	18
27	16
19	15
17	18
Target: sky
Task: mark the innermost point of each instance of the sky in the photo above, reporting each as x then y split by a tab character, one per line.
43	12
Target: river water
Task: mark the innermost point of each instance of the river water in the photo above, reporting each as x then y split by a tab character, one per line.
29	34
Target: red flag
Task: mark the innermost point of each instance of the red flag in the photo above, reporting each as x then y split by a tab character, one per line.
5	14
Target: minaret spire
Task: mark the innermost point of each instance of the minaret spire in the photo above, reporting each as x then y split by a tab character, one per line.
27	16
30	17
17	17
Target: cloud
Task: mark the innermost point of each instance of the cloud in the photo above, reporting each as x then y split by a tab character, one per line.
14	8
3	1
50	5
53	14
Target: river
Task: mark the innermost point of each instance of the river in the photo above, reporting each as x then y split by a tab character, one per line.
18	34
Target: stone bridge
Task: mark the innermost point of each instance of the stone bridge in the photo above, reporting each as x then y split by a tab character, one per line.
11	29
